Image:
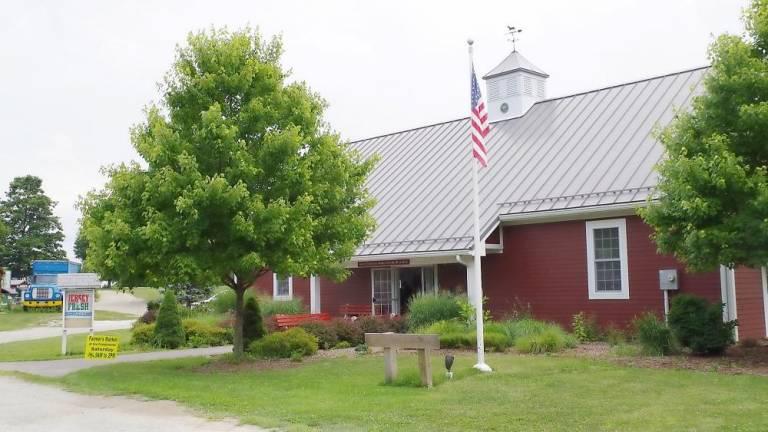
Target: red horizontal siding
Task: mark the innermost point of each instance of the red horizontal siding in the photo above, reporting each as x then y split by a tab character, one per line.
750	309
356	289
263	286
545	266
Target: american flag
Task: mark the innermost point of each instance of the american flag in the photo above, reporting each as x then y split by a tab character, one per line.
479	123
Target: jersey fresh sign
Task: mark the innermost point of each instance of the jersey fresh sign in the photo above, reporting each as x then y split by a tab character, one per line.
78	307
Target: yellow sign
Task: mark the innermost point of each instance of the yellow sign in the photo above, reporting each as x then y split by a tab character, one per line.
101	347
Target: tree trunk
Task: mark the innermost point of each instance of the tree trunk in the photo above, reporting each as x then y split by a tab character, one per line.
238	349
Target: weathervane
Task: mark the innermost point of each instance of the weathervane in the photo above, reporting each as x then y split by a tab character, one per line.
512	36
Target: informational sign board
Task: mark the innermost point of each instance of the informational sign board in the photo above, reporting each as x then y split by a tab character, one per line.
383	263
78	308
101	347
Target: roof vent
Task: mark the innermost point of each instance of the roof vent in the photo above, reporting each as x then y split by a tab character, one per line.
513	87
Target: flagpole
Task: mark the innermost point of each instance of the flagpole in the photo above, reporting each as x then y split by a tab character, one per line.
477	283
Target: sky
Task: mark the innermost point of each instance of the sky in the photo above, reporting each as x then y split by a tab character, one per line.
76	75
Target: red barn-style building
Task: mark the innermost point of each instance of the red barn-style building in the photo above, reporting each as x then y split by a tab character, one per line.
558	210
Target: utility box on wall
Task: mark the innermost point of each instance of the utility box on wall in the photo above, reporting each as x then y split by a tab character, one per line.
668	280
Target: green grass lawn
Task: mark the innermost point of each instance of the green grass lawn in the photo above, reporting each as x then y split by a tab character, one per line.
19	319
524	393
50	348
147	293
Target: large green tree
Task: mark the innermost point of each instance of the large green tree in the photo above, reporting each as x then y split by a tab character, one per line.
712	203
32	230
240	176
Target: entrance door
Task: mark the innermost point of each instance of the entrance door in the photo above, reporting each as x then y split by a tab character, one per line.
385	291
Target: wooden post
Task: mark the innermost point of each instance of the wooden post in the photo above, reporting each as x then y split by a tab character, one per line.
425	367
390	364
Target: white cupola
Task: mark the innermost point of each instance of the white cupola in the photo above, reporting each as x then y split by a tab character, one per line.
513	87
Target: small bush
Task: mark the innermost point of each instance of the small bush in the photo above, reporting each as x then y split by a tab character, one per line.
496	342
148	317
324	332
615	336
200	334
748	343
224	302
585	328
342	345
285	344
348	331
270	307
698	324
380	324
654	336
425	309
515	329
143	334
553	339
253	325
169	332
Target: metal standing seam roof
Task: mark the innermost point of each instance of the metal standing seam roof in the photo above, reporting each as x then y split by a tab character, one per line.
588	149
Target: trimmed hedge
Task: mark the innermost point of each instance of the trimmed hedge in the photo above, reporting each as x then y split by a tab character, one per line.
201	334
292	343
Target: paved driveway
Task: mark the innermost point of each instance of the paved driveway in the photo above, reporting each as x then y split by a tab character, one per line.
40	408
120	302
57	368
46	332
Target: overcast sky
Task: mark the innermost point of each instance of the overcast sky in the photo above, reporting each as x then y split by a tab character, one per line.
74	76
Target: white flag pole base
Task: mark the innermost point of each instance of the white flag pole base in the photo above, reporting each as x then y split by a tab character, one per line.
482	367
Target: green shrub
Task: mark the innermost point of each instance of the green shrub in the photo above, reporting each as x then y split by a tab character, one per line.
698	324
615	336
654	336
224	301
425	309
343	345
143	334
270	307
585	328
284	344
515	329
444	327
380	324
169	332
348	331
253	324
496	342
457	340
200	334
153	305
552	339
324	332
468	314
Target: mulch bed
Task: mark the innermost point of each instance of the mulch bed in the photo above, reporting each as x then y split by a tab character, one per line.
736	360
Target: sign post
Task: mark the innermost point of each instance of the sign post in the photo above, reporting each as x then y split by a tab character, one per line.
77	312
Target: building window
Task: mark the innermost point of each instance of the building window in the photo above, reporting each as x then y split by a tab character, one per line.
607	271
282	287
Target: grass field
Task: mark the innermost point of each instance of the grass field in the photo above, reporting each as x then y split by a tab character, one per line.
50	348
19	319
524	393
147	293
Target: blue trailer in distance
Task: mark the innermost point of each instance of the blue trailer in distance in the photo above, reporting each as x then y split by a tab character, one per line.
43	291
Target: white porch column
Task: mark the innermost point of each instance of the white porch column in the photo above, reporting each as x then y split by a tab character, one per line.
314	294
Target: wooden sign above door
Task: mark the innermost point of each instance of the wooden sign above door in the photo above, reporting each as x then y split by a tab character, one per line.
383	263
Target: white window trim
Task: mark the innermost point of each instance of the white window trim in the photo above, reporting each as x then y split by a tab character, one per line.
274	288
621	224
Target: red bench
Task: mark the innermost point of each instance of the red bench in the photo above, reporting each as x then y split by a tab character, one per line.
350	310
288	321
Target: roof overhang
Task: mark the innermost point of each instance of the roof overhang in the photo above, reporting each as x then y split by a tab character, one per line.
579	213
